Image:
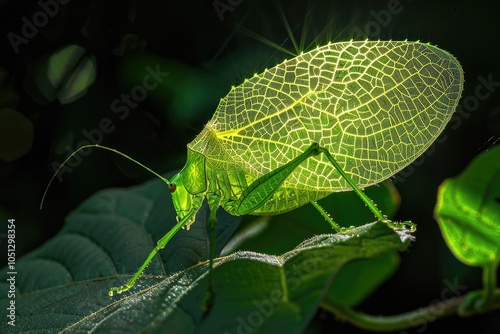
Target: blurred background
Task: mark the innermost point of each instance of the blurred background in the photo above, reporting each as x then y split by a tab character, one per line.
145	77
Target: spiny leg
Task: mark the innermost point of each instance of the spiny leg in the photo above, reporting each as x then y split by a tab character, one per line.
353	185
159	246
264	187
372	206
327	217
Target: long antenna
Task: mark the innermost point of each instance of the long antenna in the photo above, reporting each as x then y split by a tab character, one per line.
102	147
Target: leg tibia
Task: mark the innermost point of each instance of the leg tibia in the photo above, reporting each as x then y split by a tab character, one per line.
356	189
159	246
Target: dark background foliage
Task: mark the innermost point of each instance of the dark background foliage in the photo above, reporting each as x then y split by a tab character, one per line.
204	56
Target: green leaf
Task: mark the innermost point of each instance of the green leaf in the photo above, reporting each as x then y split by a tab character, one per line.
468	211
355	281
64	284
358	279
112	233
252	291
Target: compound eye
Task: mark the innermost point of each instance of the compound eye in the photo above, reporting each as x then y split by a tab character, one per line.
172	187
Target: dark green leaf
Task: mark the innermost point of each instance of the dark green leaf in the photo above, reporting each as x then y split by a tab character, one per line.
64	284
253	291
356	280
112	233
65	75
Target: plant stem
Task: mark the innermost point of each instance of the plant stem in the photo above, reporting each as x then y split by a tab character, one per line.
489	281
402	321
407	320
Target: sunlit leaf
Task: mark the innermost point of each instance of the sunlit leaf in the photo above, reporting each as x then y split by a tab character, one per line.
468	211
356	280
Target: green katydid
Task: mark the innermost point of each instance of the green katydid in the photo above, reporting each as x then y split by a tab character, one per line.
343	116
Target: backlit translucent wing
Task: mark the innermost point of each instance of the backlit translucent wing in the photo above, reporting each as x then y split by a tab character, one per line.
376	106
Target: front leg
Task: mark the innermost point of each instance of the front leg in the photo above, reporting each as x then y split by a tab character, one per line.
159	246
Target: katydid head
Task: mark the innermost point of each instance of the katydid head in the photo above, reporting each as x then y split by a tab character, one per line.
186	204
